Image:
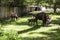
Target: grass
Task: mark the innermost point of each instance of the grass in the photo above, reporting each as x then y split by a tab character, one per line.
32	32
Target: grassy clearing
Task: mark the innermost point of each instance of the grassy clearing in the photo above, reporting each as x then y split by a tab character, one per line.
31	32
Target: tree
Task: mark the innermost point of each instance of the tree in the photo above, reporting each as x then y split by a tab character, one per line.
21	5
54	3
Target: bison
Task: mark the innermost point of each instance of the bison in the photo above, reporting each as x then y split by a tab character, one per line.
44	17
32	21
13	16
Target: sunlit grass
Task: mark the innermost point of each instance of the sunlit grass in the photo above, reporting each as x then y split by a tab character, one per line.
54	17
35	12
33	35
36	33
29	30
16	28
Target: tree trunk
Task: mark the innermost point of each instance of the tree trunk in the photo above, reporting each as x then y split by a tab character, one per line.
21	11
55	8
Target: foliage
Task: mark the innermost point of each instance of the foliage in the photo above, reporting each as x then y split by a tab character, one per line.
9	35
31	32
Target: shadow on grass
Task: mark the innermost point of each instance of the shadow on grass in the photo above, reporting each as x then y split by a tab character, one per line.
53	35
51	13
31	29
56	21
21	23
36	38
4	22
49	35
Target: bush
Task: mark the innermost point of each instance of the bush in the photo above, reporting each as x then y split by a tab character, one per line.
10	35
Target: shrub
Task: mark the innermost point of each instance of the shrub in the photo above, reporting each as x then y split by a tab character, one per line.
10	35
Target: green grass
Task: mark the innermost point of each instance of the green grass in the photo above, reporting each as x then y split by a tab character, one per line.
32	32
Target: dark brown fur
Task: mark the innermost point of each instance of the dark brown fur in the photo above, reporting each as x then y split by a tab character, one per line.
32	21
43	16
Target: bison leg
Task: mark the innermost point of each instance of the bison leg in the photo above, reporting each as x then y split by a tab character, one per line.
36	22
44	23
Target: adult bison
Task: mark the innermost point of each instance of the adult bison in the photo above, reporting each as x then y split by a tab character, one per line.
44	17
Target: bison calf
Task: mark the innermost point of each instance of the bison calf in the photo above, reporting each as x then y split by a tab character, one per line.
32	21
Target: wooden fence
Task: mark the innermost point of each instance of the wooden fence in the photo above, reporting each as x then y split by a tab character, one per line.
6	11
